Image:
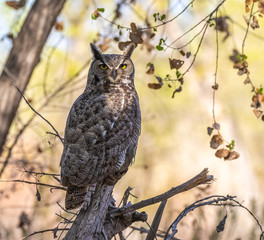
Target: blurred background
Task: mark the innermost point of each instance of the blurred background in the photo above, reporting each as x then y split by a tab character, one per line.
174	145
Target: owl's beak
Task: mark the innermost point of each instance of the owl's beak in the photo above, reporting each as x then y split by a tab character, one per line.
114	74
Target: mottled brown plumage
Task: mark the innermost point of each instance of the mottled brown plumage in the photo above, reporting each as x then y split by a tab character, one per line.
102	128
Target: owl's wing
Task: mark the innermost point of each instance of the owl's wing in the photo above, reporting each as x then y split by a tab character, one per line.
101	134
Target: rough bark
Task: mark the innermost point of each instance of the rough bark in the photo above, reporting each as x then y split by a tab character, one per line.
90	220
23	58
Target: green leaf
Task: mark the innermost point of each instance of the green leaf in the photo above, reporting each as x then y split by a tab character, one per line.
149	64
160	48
178	74
93	17
155	18
232	145
162	17
155	29
101	9
260	90
161	41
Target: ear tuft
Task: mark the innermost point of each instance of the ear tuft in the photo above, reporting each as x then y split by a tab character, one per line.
97	54
129	50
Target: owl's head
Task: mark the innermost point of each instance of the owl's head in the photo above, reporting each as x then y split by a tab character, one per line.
111	68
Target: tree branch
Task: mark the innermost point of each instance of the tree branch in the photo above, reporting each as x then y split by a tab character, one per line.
201	178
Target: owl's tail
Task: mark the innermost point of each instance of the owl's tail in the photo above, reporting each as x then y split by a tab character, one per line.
75	196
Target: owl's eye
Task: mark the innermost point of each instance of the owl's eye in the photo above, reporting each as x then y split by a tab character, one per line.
103	66
123	66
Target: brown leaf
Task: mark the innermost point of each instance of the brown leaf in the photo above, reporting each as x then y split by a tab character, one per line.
154	86
209	130
260	97
182	53
216	126
133	27
59	26
222	153
181	81
23	220
216	141
136	34
221	226
232	156
16	4
246	20
255	23
159	80
261	6
175	63
96	13
234	57
151	69
179	89
222	26
247	80
247	5
215	87
122	45
258	113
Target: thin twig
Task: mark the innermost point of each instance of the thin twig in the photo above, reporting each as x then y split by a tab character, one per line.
35	183
44	231
150	27
22	95
197	24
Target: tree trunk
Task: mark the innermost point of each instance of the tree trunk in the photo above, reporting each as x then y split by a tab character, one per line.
23	58
89	222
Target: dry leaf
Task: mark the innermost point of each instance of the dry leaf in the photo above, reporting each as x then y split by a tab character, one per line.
234	57
159	80
255	23
209	130
59	26
258	113
247	5
222	26
122	45
222	153
221	226
96	13
175	63
151	69
136	34
215	87
216	141
16	4
260	97
182	53
232	156
261	6
216	126
247	80
154	86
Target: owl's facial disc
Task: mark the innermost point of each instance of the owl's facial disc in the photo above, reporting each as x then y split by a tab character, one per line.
113	69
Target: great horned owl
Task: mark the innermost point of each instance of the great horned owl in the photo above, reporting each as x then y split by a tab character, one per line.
102	128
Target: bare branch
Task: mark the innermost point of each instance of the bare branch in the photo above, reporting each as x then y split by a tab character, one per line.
35	183
54	230
22	95
201	178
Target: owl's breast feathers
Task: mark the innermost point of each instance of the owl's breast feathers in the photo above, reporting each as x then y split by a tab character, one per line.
101	136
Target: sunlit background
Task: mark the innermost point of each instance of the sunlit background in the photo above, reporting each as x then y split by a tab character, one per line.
174	145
